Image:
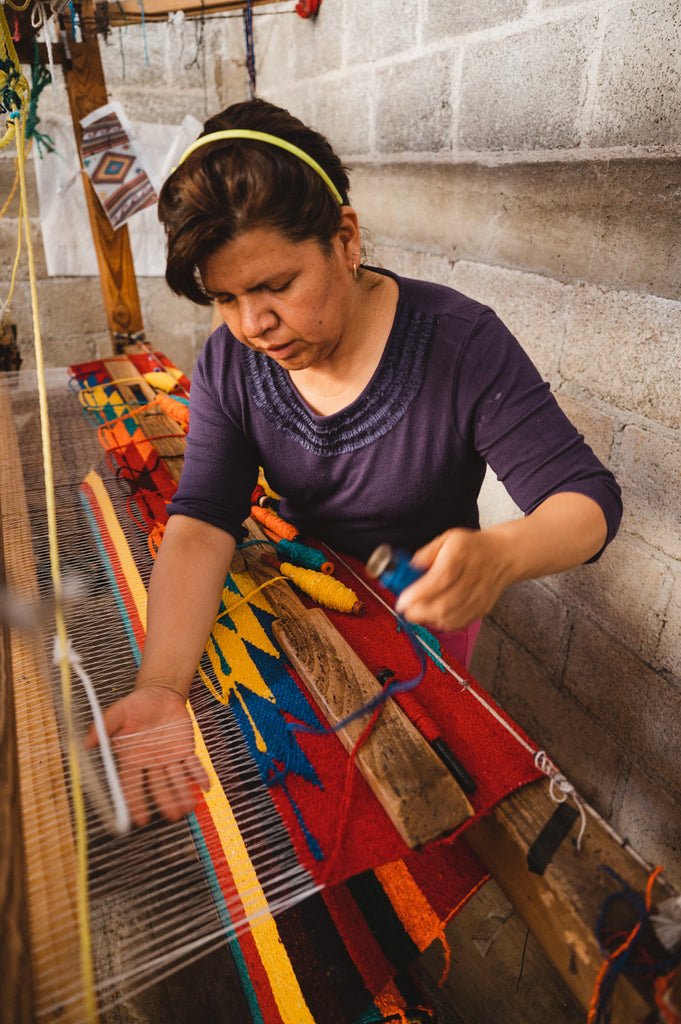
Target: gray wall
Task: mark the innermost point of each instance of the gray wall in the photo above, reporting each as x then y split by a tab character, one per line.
525	152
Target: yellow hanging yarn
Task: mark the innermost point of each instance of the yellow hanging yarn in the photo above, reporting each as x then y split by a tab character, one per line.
323	589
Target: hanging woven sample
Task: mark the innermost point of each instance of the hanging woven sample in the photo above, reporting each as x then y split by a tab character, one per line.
115	164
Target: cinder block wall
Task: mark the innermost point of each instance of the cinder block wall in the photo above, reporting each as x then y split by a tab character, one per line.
526	152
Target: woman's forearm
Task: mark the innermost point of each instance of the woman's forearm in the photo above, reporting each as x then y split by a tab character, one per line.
564	531
184	597
467	570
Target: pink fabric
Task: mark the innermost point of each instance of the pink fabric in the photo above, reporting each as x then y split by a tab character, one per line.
459	643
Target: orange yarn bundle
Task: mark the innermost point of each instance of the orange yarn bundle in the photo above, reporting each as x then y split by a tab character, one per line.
274	524
177	410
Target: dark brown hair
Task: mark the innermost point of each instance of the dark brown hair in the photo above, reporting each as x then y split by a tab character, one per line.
233	185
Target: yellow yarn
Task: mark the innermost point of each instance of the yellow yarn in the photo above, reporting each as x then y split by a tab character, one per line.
161	379
321	588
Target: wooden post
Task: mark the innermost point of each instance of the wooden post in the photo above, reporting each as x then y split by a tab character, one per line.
87	91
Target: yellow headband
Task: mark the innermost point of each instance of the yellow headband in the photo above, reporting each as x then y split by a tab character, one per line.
274	140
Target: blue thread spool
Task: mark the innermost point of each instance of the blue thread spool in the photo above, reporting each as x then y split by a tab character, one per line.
393	568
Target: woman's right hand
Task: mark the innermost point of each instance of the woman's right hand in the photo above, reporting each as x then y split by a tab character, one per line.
153	739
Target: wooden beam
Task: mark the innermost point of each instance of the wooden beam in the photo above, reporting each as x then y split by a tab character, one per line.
128	12
87	92
558	891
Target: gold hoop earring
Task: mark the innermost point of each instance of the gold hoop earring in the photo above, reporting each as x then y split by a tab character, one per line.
355	275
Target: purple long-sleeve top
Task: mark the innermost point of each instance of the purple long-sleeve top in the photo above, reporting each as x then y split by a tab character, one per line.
405	461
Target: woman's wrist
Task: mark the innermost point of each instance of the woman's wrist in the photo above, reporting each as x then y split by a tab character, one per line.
163	683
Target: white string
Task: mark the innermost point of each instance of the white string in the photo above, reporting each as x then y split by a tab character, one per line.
121	818
560	789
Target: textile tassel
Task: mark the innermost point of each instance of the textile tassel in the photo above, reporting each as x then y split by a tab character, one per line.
323	589
618	962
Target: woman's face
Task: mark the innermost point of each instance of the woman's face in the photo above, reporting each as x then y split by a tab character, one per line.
290	300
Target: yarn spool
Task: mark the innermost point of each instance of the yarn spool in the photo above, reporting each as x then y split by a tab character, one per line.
304	556
392	567
274	525
324	589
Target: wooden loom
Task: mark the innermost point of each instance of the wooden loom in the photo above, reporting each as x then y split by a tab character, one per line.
558	892
560	902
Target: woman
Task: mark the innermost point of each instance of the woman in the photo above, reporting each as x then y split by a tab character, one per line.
372	402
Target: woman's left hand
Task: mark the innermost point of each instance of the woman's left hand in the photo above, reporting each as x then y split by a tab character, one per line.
465	571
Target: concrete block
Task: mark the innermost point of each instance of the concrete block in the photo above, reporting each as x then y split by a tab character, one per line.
597	427
669	650
423	88
613	223
274	38
72	320
637	706
59	298
66	350
626	592
495	503
638	91
486	654
559	725
648	467
626	349
525	91
532	307
445	18
380	29
318	43
344	115
7	180
537	619
299	98
648	817
9	239
423	266
172	324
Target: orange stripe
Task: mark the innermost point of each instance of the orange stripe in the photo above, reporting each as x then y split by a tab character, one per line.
411	906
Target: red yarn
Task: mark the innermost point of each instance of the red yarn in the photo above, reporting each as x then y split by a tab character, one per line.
308	8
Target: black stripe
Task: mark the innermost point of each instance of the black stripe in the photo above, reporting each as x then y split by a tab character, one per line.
388	930
541	853
331	984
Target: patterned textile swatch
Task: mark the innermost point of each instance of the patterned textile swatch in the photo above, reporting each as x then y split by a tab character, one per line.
115	164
